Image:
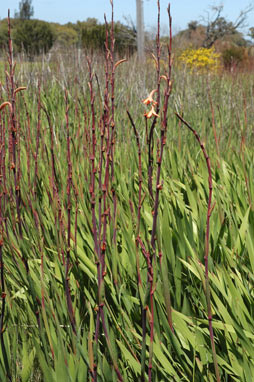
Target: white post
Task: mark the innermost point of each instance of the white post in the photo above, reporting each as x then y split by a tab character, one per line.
140	29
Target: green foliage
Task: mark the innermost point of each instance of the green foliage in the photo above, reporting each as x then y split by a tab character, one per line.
65	35
93	35
4	31
3	34
251	33
33	36
26	10
232	56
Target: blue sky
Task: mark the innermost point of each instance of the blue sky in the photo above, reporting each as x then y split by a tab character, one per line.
183	11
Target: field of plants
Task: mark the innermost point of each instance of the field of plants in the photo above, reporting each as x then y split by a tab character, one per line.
126	220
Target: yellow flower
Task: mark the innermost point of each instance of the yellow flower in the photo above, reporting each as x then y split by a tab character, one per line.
201	59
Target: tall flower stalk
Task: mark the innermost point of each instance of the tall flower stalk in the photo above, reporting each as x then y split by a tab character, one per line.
149	254
2	234
207	237
101	189
69	204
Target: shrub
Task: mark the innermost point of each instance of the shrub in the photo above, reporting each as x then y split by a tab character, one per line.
3	34
232	56
93	34
33	36
201	59
4	31
65	36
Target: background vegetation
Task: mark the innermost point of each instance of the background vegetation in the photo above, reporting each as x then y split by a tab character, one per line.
34	37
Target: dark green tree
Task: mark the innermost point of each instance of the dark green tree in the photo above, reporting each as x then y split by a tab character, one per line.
4	31
3	34
93	34
33	37
26	10
192	26
232	56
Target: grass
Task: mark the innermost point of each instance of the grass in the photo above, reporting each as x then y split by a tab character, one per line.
87	295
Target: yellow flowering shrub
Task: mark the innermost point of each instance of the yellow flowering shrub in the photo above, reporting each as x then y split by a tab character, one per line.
201	59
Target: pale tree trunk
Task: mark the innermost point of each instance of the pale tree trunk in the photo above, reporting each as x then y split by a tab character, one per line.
140	29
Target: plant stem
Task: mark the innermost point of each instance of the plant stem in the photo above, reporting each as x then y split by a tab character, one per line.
207	236
68	250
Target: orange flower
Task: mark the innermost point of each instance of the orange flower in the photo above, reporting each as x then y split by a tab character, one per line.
150	99
151	113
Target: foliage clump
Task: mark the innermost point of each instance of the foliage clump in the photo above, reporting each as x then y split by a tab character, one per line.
65	35
33	37
3	34
93	35
233	56
26	10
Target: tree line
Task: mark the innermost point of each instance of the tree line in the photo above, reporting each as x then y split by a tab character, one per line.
33	36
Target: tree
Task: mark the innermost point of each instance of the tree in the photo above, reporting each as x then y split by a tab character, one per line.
232	56
92	36
65	35
251	33
217	27
26	10
4	34
34	37
192	26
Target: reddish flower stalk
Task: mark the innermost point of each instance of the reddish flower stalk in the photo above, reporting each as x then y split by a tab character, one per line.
2	275
68	250
104	127
28	143
54	180
159	183
76	216
96	237
14	126
105	215
167	93
38	134
3	176
150	255
140	179
151	132
207	236
139	196
93	371
213	119
105	169
14	136
112	119
92	160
